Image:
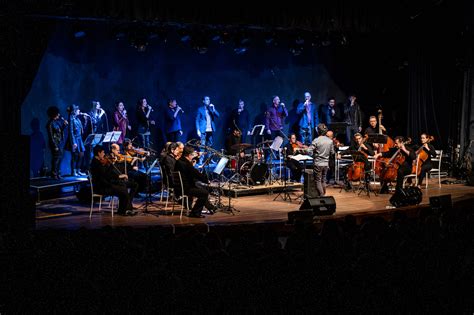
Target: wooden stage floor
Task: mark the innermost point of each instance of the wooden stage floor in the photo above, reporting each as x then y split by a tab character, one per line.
251	210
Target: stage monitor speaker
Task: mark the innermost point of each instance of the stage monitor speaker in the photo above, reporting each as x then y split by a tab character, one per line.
441	203
309	186
408	196
320	205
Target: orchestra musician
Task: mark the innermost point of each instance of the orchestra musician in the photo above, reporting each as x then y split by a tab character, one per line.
190	177
108	181
121	122
361	145
122	165
430	151
293	148
55	129
132	156
373	128
403	157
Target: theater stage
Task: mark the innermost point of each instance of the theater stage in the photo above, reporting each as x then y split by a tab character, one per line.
257	209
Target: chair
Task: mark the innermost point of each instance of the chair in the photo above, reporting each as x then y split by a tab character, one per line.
437	170
165	186
100	196
413	175
178	180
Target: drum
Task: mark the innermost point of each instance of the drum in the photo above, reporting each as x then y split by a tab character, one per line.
258	154
256	172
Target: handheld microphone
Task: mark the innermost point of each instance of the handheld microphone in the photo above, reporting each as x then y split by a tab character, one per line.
282	104
181	110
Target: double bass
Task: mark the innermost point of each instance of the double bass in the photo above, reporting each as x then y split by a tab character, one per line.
384	147
421	157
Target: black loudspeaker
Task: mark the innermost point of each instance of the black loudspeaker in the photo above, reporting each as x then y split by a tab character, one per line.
320	205
441	203
309	186
408	196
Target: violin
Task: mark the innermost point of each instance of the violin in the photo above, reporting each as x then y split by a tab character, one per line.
299	146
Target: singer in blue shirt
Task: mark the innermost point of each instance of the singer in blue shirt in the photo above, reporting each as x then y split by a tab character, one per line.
308	119
173	121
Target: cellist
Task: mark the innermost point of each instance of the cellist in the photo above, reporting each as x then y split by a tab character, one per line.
425	153
401	158
357	170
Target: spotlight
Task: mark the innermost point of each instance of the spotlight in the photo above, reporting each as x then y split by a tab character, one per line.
79	34
296	50
240	50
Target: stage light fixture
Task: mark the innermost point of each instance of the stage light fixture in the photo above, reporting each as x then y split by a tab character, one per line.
79	34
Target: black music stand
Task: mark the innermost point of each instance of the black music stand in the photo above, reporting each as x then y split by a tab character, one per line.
219	170
148	198
358	156
286	196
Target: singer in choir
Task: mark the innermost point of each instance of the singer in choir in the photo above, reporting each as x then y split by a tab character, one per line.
98	118
307	119
144	122
55	128
74	142
173	121
205	122
121	122
274	118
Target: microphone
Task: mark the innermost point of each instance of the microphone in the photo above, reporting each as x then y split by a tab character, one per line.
181	110
282	104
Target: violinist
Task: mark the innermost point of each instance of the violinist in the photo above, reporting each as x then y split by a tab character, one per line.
132	167
108	181
292	149
429	152
403	157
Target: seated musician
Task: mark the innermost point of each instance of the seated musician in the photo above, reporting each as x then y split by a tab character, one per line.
168	161
361	145
403	156
132	165
293	148
375	128
431	153
232	139
190	177
108	181
121	166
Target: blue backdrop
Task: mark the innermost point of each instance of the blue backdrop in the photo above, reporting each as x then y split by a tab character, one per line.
98	67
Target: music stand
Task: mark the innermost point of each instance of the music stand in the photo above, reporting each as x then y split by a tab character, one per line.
148	198
115	136
275	146
218	170
358	156
257	130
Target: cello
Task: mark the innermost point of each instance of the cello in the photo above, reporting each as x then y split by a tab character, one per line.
356	170
421	157
389	170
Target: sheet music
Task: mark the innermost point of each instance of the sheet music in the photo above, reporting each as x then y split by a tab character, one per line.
300	157
108	136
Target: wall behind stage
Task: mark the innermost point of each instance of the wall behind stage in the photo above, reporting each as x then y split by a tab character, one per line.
98	67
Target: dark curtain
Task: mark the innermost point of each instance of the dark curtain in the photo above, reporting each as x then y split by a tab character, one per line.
23	45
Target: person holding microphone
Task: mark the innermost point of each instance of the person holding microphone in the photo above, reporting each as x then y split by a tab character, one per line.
173	121
205	122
